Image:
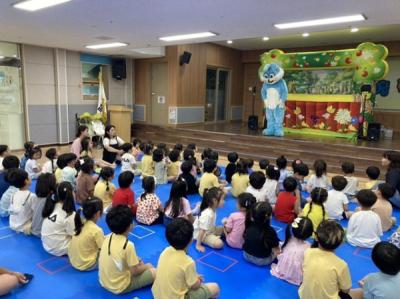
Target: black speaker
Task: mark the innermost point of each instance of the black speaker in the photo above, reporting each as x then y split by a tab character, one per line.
252	123
185	58
374	131
118	68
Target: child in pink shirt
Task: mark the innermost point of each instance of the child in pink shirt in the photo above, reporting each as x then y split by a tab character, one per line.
290	260
234	225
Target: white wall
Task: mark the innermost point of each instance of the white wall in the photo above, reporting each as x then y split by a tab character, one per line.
392	101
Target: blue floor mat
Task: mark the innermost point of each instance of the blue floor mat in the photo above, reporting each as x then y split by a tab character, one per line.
55	278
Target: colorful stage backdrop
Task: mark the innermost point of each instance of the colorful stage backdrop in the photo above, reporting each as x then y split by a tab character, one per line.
325	88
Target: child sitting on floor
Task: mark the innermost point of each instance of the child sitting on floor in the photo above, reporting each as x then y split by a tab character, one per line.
287	206
128	161
150	209
365	227
240	180
319	178
263	163
174	166
337	204
51	165
9	163
383	207
250	164
205	231
32	166
208	179
120	269
83	250
261	243
177	206
281	163
191	182
234	225
104	188
21	207
290	260
325	275
231	168
6	198
58	225
315	209
384	284
176	271
68	173
271	185
256	187
124	194
85	183
147	163
300	171
28	146
352	182
373	174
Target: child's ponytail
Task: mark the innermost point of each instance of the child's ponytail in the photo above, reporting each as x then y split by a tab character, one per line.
208	198
247	201
78	222
318	196
105	174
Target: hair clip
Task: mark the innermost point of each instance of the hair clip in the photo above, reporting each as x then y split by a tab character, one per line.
65	189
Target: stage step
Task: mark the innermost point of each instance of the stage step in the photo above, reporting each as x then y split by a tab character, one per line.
259	147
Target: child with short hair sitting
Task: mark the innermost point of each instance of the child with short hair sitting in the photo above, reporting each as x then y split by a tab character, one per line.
9	163
287	206
69	172
234	225
205	230
85	182
256	187
261	243
240	180
373	174
208	179
32	166
128	161
21	208
6	198
231	168
300	171
147	163
124	194
281	163
352	182
383	207
176	271
173	166
384	284
365	227
263	163
160	166
271	186
120	269
291	258
337	204
83	250
250	164
325	275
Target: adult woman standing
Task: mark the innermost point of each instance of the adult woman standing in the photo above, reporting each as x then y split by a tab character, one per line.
83	132
111	144
391	161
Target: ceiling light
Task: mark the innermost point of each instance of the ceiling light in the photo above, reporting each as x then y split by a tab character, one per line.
105	46
265	38
319	22
229	42
354	29
187	36
306	34
2	57
33	5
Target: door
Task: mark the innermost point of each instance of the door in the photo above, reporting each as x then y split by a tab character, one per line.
159	89
12	117
217	89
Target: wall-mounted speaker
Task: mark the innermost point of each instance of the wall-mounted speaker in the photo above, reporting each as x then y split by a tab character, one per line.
185	58
118	68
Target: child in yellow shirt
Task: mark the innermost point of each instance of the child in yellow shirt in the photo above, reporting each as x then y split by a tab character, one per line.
83	250
104	188
240	180
120	269
147	164
176	272
315	210
208	179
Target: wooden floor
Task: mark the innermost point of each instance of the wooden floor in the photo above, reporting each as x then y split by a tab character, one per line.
227	137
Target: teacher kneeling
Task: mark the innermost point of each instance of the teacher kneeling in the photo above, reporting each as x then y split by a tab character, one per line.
111	144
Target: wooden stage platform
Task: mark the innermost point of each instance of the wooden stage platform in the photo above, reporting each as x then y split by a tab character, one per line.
227	137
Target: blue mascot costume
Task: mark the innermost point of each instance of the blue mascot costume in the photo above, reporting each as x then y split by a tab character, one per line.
274	93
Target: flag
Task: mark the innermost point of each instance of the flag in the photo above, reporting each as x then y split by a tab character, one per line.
102	101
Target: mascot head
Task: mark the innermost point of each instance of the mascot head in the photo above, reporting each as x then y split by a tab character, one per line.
272	73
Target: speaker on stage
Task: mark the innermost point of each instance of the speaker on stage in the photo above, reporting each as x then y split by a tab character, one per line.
118	68
252	123
374	131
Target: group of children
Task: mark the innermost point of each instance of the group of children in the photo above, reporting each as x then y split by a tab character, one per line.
273	191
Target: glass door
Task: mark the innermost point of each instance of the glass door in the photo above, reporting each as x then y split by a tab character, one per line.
217	88
12	118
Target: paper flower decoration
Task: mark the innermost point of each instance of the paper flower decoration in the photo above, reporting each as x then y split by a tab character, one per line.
300	116
326	115
343	116
287	116
297	111
330	109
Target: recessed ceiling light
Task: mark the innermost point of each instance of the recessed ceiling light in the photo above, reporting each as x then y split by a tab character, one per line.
265	38
187	36
354	29
306	34
229	42
105	46
33	5
319	22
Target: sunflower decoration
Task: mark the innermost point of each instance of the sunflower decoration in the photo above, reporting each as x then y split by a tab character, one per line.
330	109
343	118
297	111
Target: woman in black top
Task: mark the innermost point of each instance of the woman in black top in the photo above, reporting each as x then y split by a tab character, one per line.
261	243
111	143
391	161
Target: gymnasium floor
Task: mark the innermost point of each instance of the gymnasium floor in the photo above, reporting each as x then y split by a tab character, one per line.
55	278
